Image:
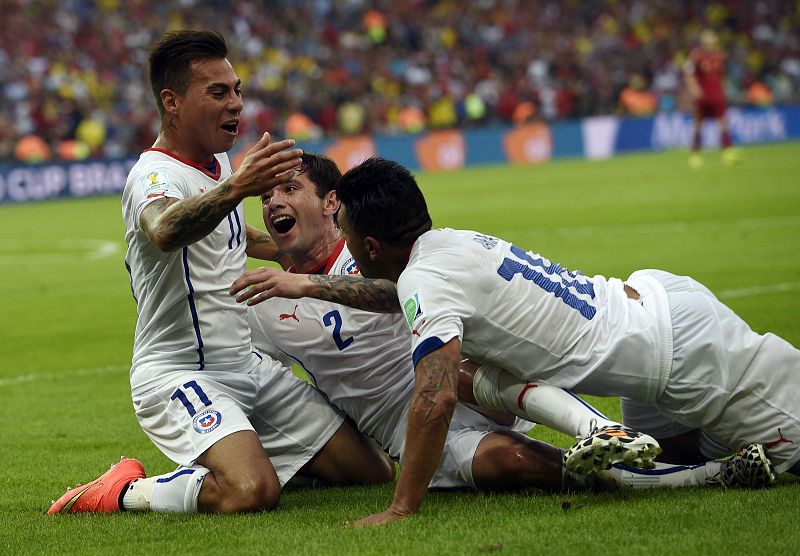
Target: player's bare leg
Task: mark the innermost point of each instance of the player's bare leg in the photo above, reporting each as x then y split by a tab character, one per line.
509	460
350	458
234	475
695	158
730	154
241	477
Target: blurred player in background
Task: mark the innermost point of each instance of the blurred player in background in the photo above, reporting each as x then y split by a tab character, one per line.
362	362
238	424
704	76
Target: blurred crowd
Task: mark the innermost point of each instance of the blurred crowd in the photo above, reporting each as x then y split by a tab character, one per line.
74	72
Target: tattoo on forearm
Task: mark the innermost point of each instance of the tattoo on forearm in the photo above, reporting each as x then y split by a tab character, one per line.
265	246
377	296
194	218
436	375
257	238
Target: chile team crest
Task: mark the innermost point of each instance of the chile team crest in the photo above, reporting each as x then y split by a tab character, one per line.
206	421
350	267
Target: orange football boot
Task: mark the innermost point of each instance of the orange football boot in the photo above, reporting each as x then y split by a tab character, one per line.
102	494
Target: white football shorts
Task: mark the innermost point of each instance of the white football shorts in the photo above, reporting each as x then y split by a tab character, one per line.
188	412
736	386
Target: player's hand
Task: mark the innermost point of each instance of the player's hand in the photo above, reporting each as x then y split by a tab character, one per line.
265	165
255	286
382	518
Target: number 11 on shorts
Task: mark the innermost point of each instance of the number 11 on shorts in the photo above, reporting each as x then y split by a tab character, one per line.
181	396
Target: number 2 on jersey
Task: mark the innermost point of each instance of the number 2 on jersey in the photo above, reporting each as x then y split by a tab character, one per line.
335	319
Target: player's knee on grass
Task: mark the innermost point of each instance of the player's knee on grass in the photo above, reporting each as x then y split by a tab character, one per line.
509	460
245	492
242	478
253	493
349	458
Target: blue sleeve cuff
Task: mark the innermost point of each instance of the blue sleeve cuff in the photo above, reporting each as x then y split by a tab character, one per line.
425	347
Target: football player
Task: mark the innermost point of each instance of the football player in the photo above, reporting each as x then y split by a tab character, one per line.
362	362
239	425
657	340
704	76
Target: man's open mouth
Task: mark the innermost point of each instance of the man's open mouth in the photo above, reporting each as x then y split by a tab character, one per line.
283	223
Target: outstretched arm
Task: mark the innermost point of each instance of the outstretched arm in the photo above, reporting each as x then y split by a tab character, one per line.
431	410
172	224
260	245
377	296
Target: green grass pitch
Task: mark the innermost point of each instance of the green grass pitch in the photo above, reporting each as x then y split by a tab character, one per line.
66	328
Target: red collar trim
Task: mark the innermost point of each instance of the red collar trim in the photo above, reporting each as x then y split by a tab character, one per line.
215	175
326	267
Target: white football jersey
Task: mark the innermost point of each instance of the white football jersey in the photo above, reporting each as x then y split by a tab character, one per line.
528	315
186	319
360	360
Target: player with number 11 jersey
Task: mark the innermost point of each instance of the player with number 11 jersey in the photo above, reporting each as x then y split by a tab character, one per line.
526	311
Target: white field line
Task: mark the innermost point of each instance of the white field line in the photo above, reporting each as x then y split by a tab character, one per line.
13	253
665	227
70	373
759	290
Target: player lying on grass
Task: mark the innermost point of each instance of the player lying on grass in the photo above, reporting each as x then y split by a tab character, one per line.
361	361
657	340
240	425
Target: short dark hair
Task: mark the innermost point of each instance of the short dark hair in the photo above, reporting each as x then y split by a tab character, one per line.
321	171
383	200
172	56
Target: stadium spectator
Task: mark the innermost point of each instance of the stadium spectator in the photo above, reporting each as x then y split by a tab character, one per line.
759	94
67	61
636	100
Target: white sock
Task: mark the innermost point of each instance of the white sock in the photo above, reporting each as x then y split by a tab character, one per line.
539	402
664	475
172	492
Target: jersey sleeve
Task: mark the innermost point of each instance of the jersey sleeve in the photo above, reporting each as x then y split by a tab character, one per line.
156	181
433	308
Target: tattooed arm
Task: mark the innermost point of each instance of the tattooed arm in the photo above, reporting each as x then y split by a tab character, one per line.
429	416
260	245
377	296
172	224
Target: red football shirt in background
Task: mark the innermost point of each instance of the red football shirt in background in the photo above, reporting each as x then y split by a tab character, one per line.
709	67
